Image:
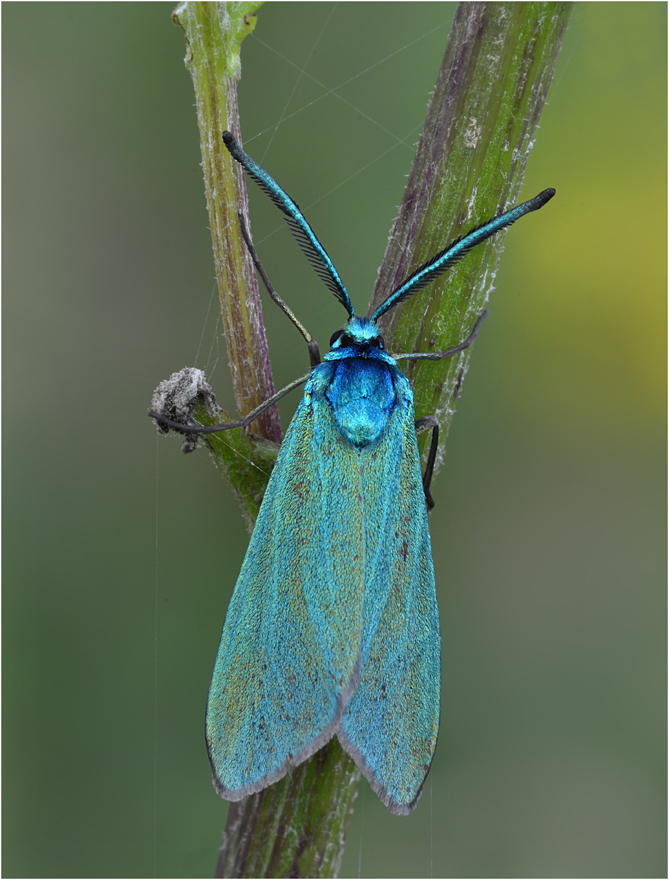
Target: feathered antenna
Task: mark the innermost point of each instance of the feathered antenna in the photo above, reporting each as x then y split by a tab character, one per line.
457	250
304	234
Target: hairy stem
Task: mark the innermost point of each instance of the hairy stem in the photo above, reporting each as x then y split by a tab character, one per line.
296	827
214	33
480	128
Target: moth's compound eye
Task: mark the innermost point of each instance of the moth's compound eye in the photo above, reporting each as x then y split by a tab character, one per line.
342	337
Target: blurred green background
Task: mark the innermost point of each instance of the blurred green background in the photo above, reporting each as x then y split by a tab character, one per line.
121	554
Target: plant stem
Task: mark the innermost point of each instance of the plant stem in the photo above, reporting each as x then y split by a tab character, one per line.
296	827
480	128
214	33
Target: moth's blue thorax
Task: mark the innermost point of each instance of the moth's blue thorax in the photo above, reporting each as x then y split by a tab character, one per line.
359	382
361	338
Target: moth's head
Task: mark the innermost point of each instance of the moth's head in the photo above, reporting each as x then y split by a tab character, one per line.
360	333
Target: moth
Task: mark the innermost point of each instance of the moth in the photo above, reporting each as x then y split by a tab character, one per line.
333	627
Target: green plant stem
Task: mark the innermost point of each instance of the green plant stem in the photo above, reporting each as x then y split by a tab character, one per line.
469	164
296	827
480	128
214	33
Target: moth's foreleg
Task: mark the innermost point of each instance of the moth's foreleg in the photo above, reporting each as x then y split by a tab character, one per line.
440	355
314	353
225	426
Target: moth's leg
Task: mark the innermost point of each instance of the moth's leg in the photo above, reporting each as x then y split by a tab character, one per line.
225	426
429	423
314	353
440	355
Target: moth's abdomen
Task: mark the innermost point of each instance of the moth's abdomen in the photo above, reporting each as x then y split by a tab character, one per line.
362	397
